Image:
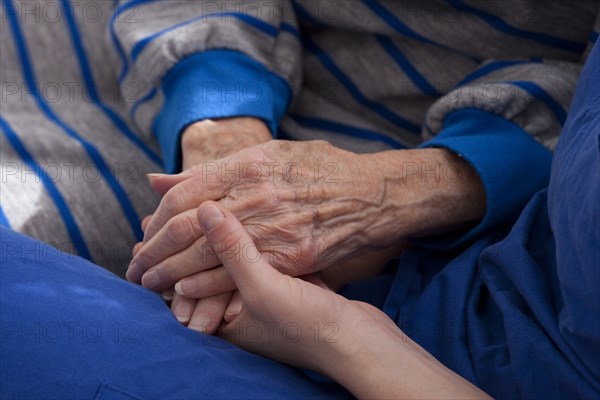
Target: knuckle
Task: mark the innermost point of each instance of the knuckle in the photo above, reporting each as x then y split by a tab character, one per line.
180	229
170	202
168	272
250	154
215	308
195	170
253	154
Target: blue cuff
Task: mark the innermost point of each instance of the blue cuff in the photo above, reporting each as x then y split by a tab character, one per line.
216	84
512	165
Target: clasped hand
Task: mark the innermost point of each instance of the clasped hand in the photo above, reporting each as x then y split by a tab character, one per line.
307	206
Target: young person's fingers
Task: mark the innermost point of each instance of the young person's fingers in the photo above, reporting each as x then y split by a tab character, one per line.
234	308
208	313
167	295
232	244
206	283
182	308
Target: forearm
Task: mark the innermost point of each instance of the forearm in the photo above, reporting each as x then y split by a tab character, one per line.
427	192
390	365
397	195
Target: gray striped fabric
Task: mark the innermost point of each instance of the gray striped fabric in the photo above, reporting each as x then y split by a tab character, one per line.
81	88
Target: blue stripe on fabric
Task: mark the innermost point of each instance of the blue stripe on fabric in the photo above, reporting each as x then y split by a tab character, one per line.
540	94
336	127
502	26
489	68
113	34
395	23
149	96
92	152
380	109
285	27
254	22
91	88
406	66
303	14
59	201
594	36
3	220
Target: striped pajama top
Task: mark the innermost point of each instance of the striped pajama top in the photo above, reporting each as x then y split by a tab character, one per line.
95	95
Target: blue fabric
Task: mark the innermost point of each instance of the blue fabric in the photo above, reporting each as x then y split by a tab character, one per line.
3	220
518	313
574	212
502	153
70	329
216	84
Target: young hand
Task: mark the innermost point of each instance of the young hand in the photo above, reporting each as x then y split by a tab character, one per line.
298	321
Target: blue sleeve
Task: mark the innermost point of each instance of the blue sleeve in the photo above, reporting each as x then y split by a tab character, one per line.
216	84
512	166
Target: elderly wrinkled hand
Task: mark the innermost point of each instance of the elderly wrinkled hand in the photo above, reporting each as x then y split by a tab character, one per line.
307	205
204	141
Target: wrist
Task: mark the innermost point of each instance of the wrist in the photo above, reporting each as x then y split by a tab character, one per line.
426	192
367	346
379	361
214	139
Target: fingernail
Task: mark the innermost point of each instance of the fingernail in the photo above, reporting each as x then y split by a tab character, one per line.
179	288
167	295
182	314
136	248
234	308
133	272
152	177
209	217
150	280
